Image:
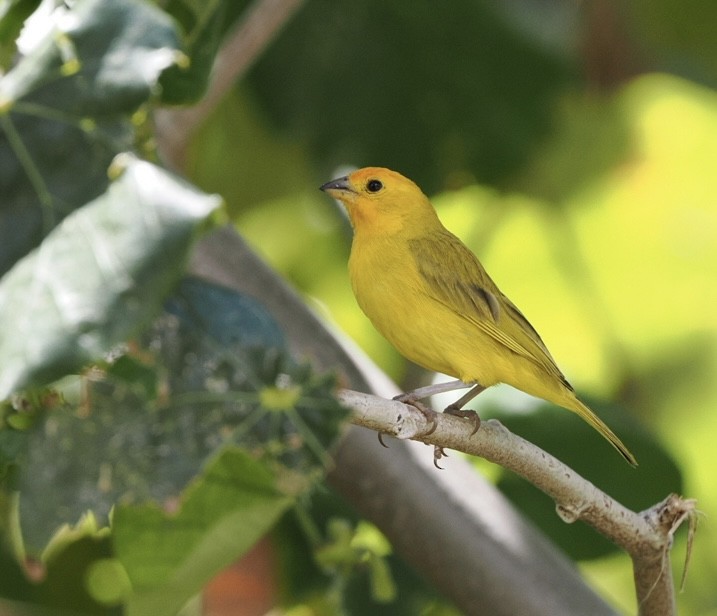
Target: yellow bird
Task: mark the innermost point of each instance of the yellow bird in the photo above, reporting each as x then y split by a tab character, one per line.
428	294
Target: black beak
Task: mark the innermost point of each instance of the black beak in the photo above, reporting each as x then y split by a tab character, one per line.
338	184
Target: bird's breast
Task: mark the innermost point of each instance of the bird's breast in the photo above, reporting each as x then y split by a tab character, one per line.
392	293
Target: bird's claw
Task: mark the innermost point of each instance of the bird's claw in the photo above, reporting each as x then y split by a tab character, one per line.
438	453
430	415
426	411
466	414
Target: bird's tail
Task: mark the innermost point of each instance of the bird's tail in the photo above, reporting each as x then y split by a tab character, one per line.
597	423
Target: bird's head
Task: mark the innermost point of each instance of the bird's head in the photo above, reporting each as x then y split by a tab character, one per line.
379	200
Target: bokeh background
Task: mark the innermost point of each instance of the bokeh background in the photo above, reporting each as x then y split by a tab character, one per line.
570	145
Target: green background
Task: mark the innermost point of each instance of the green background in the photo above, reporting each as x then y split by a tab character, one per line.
570	146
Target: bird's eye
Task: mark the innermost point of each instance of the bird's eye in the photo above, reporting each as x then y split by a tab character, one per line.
374	185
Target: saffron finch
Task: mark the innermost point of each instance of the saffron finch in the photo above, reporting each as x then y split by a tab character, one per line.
428	294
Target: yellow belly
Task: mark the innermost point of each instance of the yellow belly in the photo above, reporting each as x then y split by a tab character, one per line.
433	335
423	330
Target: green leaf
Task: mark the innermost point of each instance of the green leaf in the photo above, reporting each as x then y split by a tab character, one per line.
203	25
170	556
152	419
12	15
107	581
69	563
224	355
328	559
135	373
65	111
100	57
15	586
128	247
12	442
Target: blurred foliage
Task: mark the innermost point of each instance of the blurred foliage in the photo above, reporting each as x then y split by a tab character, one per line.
339	68
151	419
594	213
196	433
194	440
602	237
679	36
203	26
168	556
354	570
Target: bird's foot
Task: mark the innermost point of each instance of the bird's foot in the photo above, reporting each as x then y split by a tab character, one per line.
430	415
466	414
426	411
438	453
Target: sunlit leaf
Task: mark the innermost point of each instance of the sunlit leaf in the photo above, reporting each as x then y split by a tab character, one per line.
65	110
98	277
12	15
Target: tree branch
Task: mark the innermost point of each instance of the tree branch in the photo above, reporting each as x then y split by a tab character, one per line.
646	536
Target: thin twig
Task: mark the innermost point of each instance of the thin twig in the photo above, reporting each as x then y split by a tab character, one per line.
646	536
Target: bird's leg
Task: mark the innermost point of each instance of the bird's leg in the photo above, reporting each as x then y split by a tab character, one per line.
433	389
457	410
414	399
457	407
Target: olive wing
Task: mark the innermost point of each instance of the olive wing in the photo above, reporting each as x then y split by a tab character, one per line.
455	278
